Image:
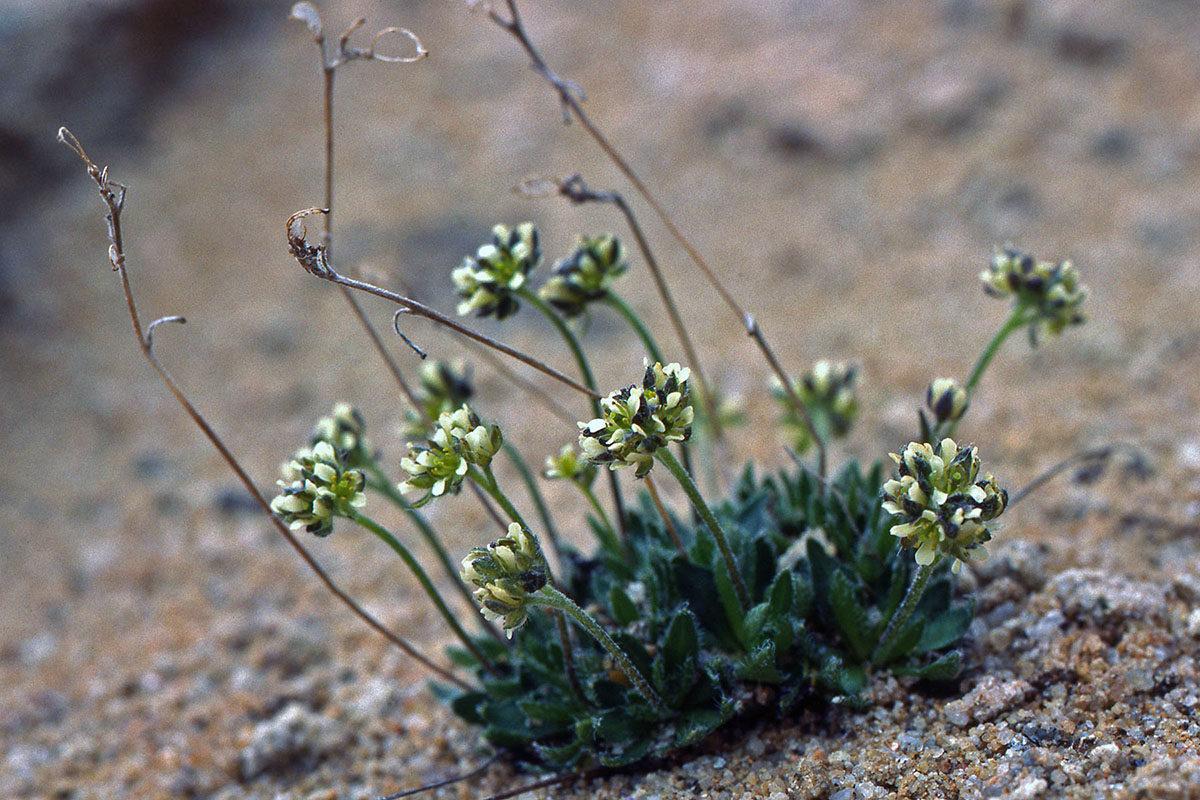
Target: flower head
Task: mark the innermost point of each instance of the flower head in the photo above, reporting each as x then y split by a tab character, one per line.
639	420
1052	290
569	465
487	281
829	391
504	574
946	400
459	440
345	430
943	503
316	487
585	275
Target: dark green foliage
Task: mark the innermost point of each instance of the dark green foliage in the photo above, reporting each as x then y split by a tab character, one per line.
824	575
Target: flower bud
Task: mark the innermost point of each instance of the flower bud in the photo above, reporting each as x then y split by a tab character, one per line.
504	574
487	281
946	400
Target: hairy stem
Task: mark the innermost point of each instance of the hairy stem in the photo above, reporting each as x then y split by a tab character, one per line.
552	598
664	457
535	495
423	578
618	304
904	612
380	483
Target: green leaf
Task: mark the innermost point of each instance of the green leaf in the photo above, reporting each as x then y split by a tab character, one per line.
759	665
623	610
681	645
555	714
946	629
565	756
781	596
698	588
905	641
468	706
730	604
851	617
943	669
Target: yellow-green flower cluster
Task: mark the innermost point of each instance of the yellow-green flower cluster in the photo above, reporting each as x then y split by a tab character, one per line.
487	281
504	574
586	275
317	486
829	391
946	400
442	387
345	430
942	502
570	465
639	420
1052	290
458	441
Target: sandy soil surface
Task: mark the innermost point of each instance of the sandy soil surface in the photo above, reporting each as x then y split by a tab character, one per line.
846	165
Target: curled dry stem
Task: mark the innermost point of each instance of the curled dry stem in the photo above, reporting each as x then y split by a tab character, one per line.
113	195
314	259
570	100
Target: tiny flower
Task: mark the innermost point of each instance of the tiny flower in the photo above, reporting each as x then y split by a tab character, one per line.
829	391
316	487
946	400
344	429
639	420
585	275
569	465
487	281
942	502
504	574
458	441
1051	290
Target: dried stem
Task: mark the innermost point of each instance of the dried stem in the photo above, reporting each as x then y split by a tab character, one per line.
672	531
568	96
113	195
314	259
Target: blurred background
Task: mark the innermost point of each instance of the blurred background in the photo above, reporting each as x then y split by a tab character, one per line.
846	165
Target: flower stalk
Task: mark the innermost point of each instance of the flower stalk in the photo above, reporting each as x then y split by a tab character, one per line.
904	612
550	597
422	577
673	466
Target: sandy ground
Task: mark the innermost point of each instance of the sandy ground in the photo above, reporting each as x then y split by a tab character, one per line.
846	166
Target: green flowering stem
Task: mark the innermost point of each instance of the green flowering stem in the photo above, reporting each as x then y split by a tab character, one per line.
618	304
486	480
913	596
552	598
379	482
585	369
689	487
535	495
1019	319
423	578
